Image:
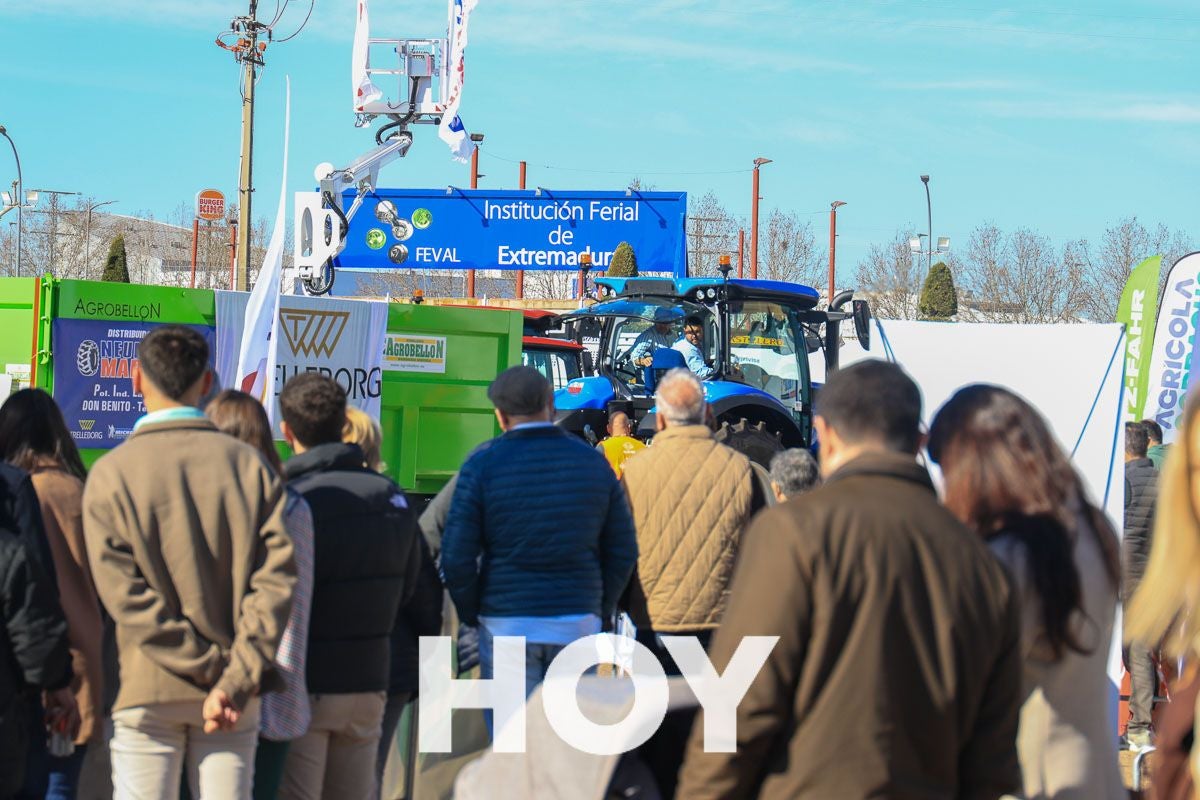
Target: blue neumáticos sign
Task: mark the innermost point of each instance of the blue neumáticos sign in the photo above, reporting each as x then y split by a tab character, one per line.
93	361
514	229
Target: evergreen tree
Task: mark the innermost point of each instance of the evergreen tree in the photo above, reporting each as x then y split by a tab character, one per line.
939	298
116	270
624	262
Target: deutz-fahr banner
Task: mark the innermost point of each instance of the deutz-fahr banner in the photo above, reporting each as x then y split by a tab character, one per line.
515	229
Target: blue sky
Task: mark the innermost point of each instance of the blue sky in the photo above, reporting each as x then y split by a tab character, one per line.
1062	118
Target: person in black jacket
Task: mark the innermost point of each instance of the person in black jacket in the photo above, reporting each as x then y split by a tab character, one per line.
34	656
367	563
1141	493
21	513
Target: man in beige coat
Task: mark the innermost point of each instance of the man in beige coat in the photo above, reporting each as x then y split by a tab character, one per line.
897	670
186	540
691	498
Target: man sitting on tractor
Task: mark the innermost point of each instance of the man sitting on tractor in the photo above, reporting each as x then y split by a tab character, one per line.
691	345
661	334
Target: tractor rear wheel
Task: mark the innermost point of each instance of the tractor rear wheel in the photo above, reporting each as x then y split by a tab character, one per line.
755	442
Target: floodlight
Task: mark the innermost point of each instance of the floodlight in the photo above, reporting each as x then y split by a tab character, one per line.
7	198
31	198
914	244
943	244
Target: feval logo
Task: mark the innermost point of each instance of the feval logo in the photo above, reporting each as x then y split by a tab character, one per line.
313	332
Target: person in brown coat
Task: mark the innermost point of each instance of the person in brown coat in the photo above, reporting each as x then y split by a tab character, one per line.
897	672
192	559
34	437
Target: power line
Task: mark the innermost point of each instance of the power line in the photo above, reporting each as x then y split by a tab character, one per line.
311	3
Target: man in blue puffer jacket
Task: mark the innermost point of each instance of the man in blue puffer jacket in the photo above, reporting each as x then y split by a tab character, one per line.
539	542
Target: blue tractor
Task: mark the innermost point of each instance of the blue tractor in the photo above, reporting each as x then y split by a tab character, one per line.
755	337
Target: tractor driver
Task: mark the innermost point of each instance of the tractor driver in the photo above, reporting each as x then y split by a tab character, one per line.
661	334
692	347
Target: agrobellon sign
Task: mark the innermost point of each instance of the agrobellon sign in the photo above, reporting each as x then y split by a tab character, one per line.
540	229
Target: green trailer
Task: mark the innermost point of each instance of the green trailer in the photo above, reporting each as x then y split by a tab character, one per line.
69	337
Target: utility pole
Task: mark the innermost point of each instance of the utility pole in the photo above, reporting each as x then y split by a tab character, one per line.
741	251
248	52
758	162
520	273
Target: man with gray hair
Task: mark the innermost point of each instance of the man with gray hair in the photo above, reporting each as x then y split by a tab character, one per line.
691	497
793	471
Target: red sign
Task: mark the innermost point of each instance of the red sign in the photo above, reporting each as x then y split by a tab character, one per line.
210	204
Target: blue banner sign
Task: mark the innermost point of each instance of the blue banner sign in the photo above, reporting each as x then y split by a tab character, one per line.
93	361
514	229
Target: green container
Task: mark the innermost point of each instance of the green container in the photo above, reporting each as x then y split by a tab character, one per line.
17	310
432	414
432	419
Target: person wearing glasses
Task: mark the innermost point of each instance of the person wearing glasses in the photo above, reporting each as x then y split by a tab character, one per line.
692	347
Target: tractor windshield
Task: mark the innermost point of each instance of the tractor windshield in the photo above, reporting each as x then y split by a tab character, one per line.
762	344
649	321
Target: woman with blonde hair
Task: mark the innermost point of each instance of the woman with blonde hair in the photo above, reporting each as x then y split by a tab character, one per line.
1008	480
285	715
365	432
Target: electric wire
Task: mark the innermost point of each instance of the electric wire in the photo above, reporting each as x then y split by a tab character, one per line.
303	24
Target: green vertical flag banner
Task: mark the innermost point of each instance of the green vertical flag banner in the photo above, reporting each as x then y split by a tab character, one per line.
1137	311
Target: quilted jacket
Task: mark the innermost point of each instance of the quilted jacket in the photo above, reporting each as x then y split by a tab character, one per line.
538	527
1141	495
691	497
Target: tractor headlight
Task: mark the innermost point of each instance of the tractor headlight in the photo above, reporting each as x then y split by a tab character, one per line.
712	294
700	294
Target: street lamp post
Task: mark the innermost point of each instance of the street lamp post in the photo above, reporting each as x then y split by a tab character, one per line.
476	139
87	246
20	198
833	207
758	162
929	215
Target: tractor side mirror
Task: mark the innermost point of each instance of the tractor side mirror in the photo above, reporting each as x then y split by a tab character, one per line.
862	323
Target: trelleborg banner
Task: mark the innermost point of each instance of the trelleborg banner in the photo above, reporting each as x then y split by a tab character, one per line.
93	360
1171	363
1136	311
514	229
342	339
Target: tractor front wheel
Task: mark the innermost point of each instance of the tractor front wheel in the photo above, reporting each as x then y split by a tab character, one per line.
755	442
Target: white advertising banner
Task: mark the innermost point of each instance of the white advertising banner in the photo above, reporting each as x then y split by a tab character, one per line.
1171	359
1073	375
342	339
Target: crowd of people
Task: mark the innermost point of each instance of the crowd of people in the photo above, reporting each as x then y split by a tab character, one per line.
216	623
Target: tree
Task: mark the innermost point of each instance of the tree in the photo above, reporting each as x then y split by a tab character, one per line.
890	279
791	252
623	263
1017	277
1122	247
116	270
711	232
939	298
